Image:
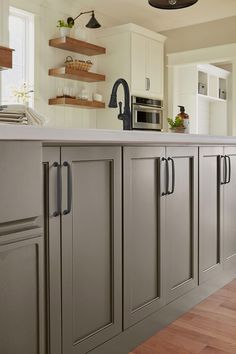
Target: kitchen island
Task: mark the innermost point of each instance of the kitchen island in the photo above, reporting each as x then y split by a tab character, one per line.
108	236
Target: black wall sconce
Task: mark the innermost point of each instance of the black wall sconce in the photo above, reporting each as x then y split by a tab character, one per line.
93	23
172	4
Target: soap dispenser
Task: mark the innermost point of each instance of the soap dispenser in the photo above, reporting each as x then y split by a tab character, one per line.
185	117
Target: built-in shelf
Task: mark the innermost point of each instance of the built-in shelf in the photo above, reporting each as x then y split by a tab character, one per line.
76	45
68	73
211	98
74	102
5	58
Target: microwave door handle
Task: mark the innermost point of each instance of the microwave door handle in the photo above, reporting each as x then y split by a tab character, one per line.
148	108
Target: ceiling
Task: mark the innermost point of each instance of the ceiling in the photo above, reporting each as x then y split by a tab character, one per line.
141	13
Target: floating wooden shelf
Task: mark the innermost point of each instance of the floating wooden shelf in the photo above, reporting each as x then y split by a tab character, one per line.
68	73
5	58
74	102
75	45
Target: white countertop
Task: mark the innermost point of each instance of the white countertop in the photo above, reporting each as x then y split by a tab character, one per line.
85	136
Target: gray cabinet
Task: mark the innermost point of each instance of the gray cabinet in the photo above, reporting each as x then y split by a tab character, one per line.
229	205
217	202
143	232
89	246
181	230
22	300
160	227
22	328
210	211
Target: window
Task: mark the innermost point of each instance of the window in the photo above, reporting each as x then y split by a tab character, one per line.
21	38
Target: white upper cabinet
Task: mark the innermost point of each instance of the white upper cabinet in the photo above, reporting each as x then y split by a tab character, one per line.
138	63
135	54
147	66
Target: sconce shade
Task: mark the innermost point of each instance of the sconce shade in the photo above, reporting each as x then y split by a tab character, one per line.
172	4
93	23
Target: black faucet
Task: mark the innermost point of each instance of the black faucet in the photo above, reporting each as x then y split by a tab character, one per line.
126	115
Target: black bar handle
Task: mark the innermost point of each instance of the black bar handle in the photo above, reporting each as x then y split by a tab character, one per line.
224	171
167	176
173	176
227	181
59	185
69	188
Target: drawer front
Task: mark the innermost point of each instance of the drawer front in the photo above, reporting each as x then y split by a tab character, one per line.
20	180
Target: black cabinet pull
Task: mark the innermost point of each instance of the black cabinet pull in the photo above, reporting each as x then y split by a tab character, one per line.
173	176
59	185
69	188
228	170
167	176
224	171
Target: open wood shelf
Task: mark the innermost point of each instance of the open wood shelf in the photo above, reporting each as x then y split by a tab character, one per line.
74	102
68	73
5	58
76	45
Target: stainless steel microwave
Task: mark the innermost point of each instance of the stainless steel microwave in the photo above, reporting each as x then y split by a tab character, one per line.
147	114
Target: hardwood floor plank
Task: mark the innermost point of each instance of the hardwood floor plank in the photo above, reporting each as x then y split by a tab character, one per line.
209	328
212	350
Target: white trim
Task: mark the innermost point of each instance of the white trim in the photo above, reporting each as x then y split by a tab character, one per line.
130	27
204	55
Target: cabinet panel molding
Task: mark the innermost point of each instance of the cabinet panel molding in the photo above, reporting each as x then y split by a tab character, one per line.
143	233
210	212
182	223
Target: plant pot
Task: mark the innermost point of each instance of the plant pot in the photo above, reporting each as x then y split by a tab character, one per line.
65	31
178	130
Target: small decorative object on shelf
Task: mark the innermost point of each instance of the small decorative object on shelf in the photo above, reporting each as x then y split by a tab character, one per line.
78	64
64	28
202	89
176	125
222	94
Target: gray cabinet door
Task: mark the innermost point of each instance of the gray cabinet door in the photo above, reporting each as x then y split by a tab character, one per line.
22	293
91	242
143	232
20	180
181	230
210	211
229	210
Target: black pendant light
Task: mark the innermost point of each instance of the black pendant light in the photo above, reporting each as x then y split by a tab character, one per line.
93	23
172	4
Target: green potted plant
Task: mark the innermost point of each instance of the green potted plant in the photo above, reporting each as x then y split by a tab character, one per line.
176	125
64	28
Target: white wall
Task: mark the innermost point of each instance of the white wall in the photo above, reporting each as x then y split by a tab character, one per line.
46	15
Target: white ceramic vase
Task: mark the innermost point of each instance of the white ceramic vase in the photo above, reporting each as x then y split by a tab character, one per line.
65	31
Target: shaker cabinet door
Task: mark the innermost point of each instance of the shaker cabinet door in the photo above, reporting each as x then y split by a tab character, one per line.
22	325
210	211
91	247
181	221
143	232
155	68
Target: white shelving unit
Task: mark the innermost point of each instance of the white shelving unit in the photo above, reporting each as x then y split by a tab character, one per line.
203	90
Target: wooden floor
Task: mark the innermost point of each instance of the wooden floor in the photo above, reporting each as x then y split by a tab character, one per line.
209	328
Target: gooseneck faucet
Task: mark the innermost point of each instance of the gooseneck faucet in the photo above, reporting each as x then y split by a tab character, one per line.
126	115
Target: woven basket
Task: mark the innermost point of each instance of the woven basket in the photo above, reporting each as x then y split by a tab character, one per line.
78	64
